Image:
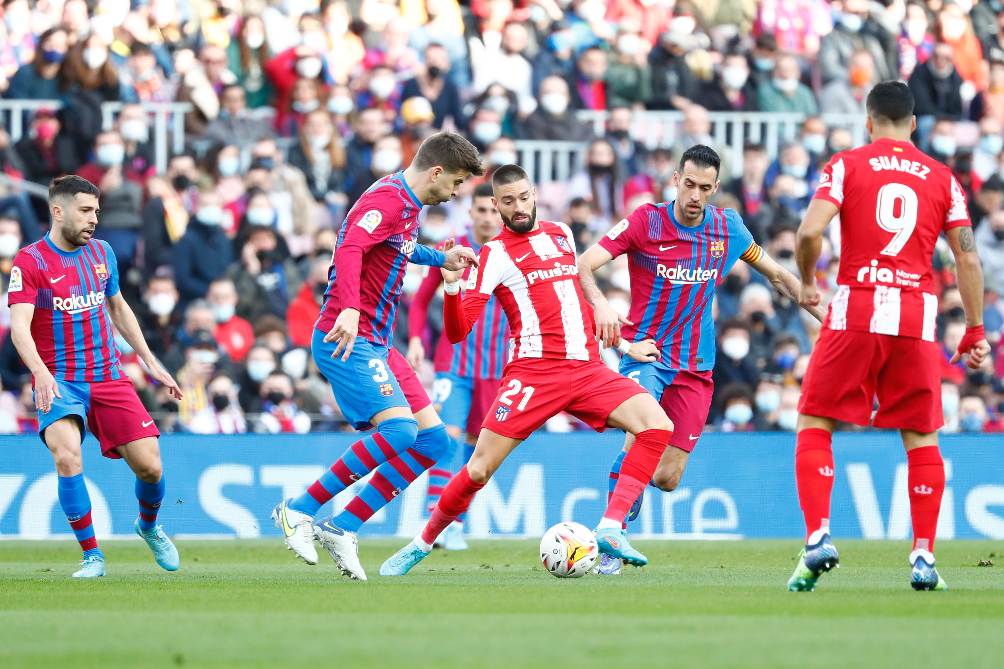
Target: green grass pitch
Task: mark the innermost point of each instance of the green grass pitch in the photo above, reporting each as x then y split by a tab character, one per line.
699	604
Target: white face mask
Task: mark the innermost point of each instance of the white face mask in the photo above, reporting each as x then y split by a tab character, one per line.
110	155
992	144
502	157
205	356
223	312
786	85
386	161
305	106
943	144
258	370
554	103
229	165
95	57
210	215
797	171
308	68
382	87
9	244
254	40
294	363
486	132
735	348
852	22
135	130
683	24
161	304
340	104
260	216
787	420
734	77
814	143
497	104
739	414
318	142
768	400
436	233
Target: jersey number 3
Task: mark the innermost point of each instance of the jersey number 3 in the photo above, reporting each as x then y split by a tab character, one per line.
896	212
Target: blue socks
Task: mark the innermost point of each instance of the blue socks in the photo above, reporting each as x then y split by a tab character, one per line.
76	504
150	496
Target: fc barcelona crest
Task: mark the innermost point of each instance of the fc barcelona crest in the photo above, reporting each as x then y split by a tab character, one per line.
501	414
100	270
562	243
386	389
717	248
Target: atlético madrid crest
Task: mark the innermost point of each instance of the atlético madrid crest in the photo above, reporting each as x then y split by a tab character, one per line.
717	248
562	243
501	414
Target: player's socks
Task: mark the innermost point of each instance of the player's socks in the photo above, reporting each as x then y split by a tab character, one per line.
439	475
393	476
615	473
636	471
76	504
393	436
456	498
926	482
150	496
814	478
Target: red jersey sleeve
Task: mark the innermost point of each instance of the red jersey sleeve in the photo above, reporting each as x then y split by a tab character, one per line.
366	227
623	236
831	181
461	317
24	281
418	315
958	210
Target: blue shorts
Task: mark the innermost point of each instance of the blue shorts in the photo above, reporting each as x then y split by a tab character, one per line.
373	379
463	402
685	396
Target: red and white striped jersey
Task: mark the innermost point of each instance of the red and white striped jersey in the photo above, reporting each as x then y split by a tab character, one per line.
535	279
894	202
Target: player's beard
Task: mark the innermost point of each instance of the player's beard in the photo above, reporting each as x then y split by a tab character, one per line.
78	238
521	228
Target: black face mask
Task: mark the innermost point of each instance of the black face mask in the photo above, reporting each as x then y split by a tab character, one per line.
181	182
785	254
434	71
276	397
956	313
265	162
267	258
220	402
999	234
758	317
597	170
619	134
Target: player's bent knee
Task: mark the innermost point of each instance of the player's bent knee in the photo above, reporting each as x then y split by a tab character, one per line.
480	470
149	471
666	481
69	461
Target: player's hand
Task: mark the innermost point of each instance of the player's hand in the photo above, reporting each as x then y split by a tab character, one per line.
974	344
416	352
46	389
808	296
816	313
608	324
164	378
644	351
344	331
459	258
450	276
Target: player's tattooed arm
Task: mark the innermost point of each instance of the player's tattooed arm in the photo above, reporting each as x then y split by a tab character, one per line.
967	242
970	272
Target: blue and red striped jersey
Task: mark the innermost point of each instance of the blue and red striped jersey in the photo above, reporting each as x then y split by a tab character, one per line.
674	272
484	353
71	326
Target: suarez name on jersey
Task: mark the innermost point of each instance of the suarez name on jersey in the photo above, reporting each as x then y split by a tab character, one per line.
675	270
71	327
894	202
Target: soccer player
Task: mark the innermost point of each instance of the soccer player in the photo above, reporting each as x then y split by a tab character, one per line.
679	252
64	298
467	373
555	366
371	380
878	340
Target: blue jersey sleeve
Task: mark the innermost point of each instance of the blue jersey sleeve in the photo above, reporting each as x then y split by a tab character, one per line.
741	243
112	267
425	255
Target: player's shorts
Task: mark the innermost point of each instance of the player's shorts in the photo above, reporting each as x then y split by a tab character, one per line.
110	409
463	401
685	396
533	391
373	379
849	370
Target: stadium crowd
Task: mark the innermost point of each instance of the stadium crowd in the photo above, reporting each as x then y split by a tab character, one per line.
298	105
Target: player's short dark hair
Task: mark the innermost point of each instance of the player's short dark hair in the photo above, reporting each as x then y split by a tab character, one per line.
700	155
451	152
890	101
69	185
483	190
508	174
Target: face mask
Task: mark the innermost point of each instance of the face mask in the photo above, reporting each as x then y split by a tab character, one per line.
181	182
786	85
434	71
486	132
502	157
953	29
341	105
683	24
797	171
317	41
950	404
308	68
916	31
254	40
739	414
734	78
814	143
787	420
161	304
210	215
943	145
386	161
852	22
786	360
991	144
294	363
9	244
319	142
95	57
999	234
122	345
51	57
382	87
229	165
768	401
258	370
305	106
554	103
629	45
763	64
110	155
735	348
971	422
135	130
758	317
45	131
223	312
205	356
220	402
497	104
436	233
260	216
276	397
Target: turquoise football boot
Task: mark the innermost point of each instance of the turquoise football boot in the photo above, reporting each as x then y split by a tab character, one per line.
92	566
613	541
163	548
401	562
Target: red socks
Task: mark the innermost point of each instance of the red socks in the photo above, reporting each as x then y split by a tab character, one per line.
926	483
636	471
456	497
814	477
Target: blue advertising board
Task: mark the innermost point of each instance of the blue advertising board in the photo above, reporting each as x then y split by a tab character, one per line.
736	486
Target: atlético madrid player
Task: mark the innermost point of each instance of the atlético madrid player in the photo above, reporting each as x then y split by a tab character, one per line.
879	338
64	298
554	367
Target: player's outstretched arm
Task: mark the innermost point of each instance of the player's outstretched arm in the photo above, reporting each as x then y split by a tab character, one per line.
20	332
970	273
783	281
125	322
808	246
608	321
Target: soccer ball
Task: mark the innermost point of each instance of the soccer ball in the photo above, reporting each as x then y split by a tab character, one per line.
568	550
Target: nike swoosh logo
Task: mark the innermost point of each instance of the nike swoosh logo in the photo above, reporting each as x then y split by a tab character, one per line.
57	280
693	438
147	423
666	248
286	529
331	528
524	257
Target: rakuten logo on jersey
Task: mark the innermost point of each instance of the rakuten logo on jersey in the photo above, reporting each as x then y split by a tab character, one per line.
686	275
557	272
77	303
875	274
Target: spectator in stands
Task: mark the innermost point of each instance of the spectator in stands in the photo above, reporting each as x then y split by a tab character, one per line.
855	31
749	187
42	152
767	401
416	125
956	30
628	77
261	362
133	124
270	331
601	184
203	253
973	413
232	332
141	78
935	86
990	245
246	57
202	359
915	43
433	82
304	308
737	408
763	57
158	314
320	155
796	24
287	185
630	151
590	89
305	97
785	92
993	44
731	89
369	126
500	58
223	414
696	129
734	364
383	92
812	137
990	102
386	159
500	100
943	143
87	68
39	79
988	199
485	127
235	125
787	415
165	215
673	83
794	161
279	411
846	94
266	280
288	67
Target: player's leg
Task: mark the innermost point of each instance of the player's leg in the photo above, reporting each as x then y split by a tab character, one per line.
926	485
452	397
143	457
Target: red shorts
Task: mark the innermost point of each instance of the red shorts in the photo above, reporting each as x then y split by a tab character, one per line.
406	377
849	371
533	391
687	402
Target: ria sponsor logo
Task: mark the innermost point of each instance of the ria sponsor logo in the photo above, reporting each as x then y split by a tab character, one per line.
686	275
77	303
556	272
875	274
